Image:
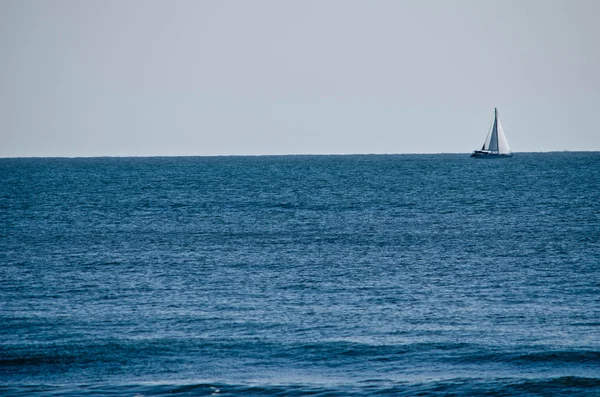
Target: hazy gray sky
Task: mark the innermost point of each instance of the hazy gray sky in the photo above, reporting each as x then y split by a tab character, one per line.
118	78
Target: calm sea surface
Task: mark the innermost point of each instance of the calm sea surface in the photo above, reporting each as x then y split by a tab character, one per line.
300	275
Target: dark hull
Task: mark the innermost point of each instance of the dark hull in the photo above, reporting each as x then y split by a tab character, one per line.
487	155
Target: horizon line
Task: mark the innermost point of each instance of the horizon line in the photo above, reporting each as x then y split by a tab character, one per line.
278	155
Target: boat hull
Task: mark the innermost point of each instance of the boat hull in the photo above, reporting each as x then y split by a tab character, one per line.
487	155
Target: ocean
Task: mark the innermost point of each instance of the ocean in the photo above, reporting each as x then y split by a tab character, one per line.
352	275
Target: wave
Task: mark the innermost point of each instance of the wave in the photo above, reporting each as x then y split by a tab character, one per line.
571	385
351	355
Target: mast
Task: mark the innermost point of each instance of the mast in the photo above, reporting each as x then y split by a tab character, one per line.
496	125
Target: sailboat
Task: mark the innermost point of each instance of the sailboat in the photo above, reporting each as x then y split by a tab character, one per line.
495	145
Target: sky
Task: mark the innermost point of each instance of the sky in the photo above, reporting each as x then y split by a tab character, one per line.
225	77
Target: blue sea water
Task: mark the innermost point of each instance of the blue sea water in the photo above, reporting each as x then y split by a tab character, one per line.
300	275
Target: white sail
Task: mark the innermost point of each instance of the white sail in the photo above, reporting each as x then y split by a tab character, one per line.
495	144
495	140
486	143
503	147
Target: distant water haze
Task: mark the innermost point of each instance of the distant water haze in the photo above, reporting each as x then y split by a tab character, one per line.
144	78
